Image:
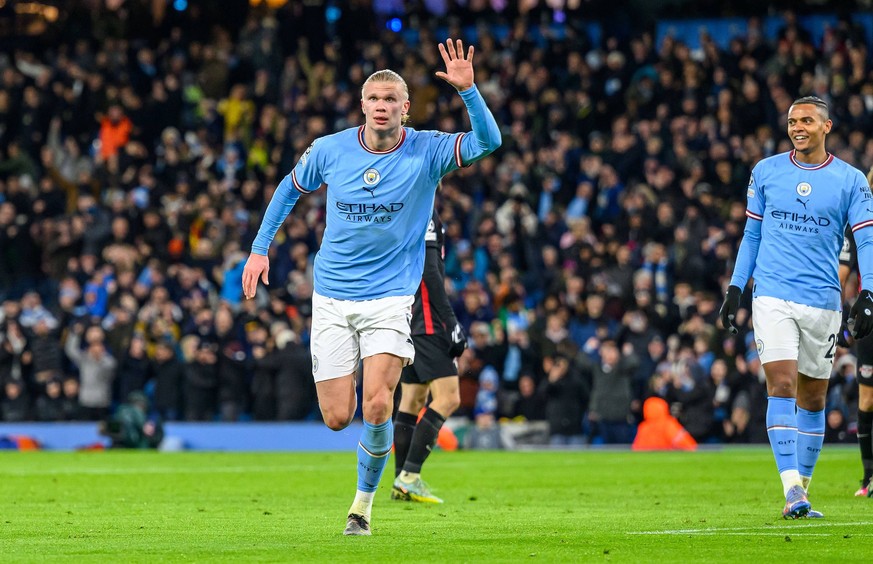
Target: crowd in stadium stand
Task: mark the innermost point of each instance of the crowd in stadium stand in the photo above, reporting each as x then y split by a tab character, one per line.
586	258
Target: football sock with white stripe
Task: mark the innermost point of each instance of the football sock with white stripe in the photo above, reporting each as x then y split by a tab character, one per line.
782	431
373	450
810	436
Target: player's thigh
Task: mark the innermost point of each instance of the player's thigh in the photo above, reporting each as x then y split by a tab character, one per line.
383	327
412	396
818	340
336	397
334	343
777	334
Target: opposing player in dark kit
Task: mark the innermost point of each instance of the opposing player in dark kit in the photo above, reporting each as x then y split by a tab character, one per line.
438	339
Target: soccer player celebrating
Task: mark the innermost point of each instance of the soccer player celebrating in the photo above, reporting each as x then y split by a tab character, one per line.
438	340
798	204
381	179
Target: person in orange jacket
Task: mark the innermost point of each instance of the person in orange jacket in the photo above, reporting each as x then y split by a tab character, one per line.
115	130
661	431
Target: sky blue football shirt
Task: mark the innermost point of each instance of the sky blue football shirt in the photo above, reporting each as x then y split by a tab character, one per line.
379	203
794	231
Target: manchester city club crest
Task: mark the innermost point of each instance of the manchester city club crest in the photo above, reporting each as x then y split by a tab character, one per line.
804	189
371	177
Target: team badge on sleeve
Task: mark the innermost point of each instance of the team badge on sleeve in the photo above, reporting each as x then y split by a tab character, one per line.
305	155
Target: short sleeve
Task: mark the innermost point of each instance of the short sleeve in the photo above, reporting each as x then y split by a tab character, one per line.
860	202
307	175
755	196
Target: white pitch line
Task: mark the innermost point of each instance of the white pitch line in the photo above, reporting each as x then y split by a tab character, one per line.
751	531
749	534
154	470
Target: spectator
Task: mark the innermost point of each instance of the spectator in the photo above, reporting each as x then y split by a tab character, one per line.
529	403
50	405
169	376
566	400
201	383
610	407
96	370
134	370
295	389
72	409
115	130
15	406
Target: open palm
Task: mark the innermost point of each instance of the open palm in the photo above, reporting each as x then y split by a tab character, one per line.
459	69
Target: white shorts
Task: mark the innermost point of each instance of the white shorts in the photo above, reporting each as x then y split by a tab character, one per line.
346	331
790	331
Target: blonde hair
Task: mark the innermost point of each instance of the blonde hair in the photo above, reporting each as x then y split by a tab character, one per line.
388	75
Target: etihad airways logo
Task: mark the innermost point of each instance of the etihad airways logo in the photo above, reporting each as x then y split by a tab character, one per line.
799	222
369	213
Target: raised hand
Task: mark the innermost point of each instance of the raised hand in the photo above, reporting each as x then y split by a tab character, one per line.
459	69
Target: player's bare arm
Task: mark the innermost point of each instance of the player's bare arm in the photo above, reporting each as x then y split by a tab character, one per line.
459	69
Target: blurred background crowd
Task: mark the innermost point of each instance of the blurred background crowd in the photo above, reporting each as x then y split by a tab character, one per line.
140	141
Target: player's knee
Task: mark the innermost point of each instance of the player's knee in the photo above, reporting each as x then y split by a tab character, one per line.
336	421
783	387
378	408
448	404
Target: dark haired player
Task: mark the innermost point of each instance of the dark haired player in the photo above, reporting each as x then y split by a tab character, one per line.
798	206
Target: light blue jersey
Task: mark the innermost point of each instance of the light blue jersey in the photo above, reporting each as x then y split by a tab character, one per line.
794	232
379	203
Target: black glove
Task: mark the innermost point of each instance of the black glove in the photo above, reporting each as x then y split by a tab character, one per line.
844	336
730	307
458	341
862	315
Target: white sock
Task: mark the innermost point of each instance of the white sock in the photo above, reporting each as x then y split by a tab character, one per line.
790	478
363	504
408	477
804	481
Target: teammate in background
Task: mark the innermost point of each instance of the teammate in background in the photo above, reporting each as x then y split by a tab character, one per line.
864	350
798	205
381	180
438	339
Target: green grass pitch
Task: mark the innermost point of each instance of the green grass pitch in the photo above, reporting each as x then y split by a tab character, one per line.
559	506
